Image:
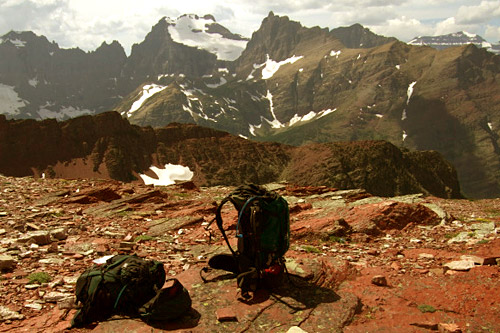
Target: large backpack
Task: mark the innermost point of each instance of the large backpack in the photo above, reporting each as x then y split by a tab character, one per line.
119	286
263	232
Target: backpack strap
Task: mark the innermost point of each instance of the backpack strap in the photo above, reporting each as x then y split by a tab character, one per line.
240	215
218	218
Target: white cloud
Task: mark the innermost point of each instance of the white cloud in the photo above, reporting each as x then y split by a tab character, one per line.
481	13
403	27
492	33
87	23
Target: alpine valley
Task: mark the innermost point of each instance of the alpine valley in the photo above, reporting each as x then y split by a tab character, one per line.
298	86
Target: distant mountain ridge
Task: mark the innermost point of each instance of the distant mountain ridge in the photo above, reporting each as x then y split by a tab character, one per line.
455	39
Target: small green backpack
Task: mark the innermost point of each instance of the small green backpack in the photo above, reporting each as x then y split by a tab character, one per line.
263	232
119	286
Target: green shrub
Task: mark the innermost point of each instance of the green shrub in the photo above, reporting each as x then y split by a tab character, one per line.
426	308
143	238
310	249
40	277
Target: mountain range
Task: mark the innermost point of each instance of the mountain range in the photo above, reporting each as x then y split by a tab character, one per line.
287	83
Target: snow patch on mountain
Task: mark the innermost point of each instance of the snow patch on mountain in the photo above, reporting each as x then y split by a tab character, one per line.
271	66
193	103
409	92
10	102
192	30
148	90
167	175
33	82
335	54
311	115
16	42
275	123
222	82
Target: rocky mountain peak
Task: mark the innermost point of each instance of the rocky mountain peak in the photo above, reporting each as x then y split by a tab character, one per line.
357	36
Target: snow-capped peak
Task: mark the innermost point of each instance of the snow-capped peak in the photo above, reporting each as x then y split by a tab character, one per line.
192	30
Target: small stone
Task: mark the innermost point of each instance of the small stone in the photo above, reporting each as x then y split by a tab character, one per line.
6	262
379	280
59	234
226	314
129	246
35	306
8	314
449	328
396	265
40	237
66	303
460	265
53	248
3	231
295	329
55	296
32	226
373	252
426	256
51	261
32	286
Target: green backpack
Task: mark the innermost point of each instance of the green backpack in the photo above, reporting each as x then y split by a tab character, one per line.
119	286
263	232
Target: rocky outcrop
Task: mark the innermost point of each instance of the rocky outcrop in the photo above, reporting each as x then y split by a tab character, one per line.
107	146
356	36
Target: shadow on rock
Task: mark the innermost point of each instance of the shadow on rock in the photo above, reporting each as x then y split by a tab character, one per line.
187	321
299	294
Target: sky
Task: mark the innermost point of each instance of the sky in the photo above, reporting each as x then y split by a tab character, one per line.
88	23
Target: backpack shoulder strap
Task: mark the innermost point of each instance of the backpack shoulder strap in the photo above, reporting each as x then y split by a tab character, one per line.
218	218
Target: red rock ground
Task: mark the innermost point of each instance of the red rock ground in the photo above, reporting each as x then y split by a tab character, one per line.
359	263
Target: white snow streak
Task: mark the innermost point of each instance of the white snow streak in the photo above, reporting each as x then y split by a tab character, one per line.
275	123
410	91
147	91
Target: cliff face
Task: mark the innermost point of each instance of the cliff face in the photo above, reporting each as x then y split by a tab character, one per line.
107	146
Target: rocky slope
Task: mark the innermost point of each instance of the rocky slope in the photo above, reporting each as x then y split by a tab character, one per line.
358	263
107	146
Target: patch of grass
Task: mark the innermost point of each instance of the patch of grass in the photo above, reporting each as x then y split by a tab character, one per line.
426	308
143	238
181	194
483	241
471	234
450	236
337	239
40	277
310	249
